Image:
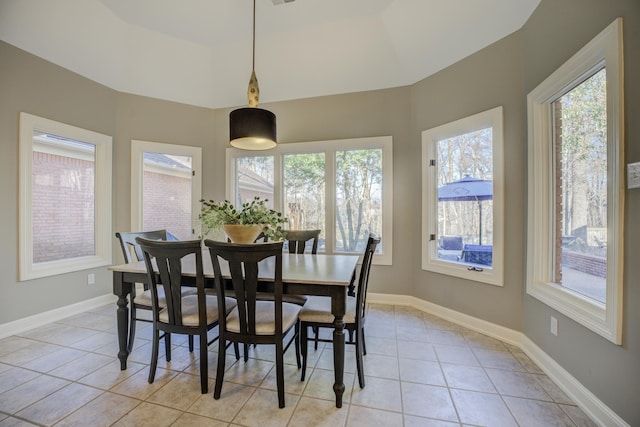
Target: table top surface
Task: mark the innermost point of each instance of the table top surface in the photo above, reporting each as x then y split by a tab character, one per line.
298	268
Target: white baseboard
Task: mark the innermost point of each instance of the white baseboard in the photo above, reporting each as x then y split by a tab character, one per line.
31	322
587	401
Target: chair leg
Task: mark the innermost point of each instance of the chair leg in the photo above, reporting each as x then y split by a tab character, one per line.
154	354
237	350
280	372
359	361
204	362
246	352
316	331
222	348
132	327
167	346
190	343
364	342
303	349
297	343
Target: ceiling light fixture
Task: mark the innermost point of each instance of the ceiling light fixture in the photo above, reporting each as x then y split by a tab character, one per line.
252	128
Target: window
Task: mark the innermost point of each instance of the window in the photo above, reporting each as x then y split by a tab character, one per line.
65	198
575	176
165	188
462	196
343	188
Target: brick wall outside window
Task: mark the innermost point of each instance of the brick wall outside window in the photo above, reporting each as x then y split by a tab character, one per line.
167	204
63	207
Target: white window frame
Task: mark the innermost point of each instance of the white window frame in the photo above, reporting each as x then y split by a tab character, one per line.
385	143
138	148
103	159
603	319
487	119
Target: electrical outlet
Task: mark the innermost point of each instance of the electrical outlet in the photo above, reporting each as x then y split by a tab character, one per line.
633	175
91	279
554	326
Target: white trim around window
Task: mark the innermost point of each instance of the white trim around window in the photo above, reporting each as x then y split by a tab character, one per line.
138	148
603	319
493	119
28	269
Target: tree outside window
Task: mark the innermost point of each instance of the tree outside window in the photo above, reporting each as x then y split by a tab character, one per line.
346	193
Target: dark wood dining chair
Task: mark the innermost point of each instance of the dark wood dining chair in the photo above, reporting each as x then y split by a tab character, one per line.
297	240
252	321
316	313
193	315
141	298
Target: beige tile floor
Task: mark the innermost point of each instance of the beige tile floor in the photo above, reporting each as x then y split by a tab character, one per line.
420	371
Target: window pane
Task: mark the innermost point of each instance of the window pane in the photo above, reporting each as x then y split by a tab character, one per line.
166	195
63	198
358	198
465	198
254	177
580	137
304	192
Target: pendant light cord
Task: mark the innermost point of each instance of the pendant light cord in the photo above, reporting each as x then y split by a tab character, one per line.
253	64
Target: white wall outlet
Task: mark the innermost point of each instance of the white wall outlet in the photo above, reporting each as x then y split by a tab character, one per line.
554	326
633	175
91	279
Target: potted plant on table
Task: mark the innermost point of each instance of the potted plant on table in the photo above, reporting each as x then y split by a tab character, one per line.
242	225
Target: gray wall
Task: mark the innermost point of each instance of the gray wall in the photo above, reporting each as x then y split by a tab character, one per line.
501	74
149	119
487	79
611	372
35	86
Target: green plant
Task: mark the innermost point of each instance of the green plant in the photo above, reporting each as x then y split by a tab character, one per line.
213	215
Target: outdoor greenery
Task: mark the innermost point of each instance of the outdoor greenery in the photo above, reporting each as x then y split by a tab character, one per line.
304	190
214	215
357	192
359	195
581	138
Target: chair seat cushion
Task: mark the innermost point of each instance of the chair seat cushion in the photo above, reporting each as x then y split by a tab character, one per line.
190	315
144	298
318	310
265	318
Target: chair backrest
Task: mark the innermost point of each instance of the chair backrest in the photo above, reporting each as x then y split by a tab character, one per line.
363	280
243	260
170	257
130	248
297	240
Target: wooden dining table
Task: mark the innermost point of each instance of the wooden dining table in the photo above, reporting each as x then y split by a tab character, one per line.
302	274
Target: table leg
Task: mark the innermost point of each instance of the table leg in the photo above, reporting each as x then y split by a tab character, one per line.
338	306
122	317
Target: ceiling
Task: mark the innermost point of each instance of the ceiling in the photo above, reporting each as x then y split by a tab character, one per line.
199	51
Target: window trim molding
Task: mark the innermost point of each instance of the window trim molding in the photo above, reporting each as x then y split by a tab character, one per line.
139	147
385	143
606	320
490	118
27	270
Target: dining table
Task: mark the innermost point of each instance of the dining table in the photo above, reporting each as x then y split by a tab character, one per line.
302	274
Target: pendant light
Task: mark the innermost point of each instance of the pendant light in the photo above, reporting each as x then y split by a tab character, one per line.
252	128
